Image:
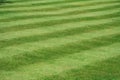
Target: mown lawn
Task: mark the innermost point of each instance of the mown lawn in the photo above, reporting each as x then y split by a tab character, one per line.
60	40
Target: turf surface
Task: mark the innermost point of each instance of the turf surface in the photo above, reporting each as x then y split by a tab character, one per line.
60	40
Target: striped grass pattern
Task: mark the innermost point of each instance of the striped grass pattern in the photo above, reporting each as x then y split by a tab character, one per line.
60	40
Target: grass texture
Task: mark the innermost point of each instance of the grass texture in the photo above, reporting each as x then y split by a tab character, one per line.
60	40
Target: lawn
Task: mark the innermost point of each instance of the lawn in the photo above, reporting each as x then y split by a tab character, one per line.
60	40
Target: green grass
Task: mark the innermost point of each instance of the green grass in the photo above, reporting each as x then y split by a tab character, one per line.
60	40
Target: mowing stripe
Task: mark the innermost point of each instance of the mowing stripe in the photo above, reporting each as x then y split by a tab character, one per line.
46	39
57	34
61	65
33	47
47	54
107	40
46	2
66	12
58	3
33	23
39	3
58	12
56	8
90	70
55	28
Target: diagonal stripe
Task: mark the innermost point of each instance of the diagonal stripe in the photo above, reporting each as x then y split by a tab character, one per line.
26	59
57	34
56	28
33	23
64	13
